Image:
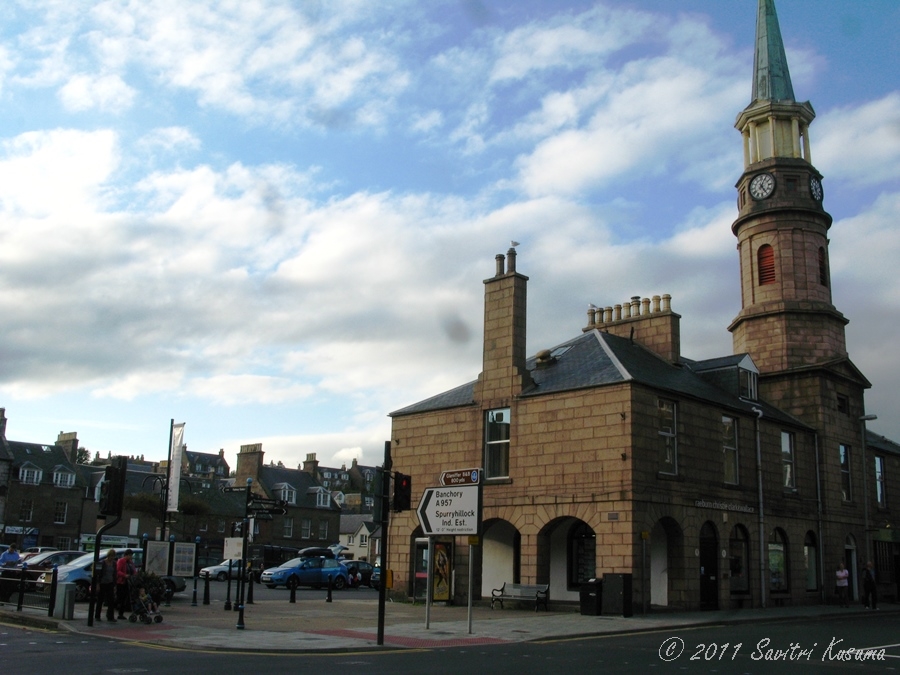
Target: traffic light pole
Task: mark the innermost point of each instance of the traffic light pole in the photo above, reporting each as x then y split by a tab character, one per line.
385	520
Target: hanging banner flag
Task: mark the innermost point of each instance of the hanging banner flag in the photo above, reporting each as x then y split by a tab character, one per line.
177	435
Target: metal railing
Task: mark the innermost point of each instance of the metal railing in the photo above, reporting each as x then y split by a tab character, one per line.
19	586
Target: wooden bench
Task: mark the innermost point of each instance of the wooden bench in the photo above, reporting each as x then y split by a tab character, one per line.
540	593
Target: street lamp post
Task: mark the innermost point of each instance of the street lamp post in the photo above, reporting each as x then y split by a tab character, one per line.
863	420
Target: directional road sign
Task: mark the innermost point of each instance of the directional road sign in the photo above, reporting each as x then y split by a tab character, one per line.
450	510
461	477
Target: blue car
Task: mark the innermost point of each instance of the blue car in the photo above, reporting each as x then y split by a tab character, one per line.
315	572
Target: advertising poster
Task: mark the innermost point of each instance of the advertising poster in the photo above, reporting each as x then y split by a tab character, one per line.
443	554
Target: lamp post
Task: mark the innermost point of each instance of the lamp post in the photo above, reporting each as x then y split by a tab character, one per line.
862	426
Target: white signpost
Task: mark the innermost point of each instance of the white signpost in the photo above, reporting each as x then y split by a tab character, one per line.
450	510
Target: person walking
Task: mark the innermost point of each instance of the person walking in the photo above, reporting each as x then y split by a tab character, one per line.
125	569
842	583
869	588
107	577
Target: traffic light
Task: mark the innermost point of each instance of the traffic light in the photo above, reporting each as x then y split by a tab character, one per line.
402	492
112	489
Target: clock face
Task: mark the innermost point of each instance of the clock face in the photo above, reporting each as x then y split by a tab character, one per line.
762	186
815	188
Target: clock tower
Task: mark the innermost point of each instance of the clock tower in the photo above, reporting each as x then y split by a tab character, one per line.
787	321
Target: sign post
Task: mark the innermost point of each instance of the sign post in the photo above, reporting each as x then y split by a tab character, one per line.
452	509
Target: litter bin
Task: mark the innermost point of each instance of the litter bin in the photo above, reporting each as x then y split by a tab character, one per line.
591	597
617	599
65	601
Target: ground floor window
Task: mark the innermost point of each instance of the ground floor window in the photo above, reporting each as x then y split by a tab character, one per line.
739	555
778	561
811	561
582	555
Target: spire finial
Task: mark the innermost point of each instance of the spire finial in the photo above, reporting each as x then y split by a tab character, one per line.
771	78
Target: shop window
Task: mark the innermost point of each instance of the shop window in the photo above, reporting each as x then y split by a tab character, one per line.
582	555
739	559
779	569
811	561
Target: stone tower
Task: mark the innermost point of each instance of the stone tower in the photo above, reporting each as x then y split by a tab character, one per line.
787	321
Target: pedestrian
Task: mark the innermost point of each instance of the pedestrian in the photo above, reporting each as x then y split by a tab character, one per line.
10	557
869	589
107	577
125	569
842	576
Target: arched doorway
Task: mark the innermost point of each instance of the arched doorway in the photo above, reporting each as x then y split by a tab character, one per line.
709	566
500	555
665	546
568	548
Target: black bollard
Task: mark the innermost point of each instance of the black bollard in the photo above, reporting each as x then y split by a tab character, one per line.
206	590
227	606
293	587
328	597
250	587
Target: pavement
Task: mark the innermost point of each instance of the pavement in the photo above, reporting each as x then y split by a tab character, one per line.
350	623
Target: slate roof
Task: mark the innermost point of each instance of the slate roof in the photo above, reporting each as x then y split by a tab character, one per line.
596	359
351	522
271	475
878	443
47	458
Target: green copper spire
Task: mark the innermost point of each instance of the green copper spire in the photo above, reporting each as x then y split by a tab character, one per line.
771	79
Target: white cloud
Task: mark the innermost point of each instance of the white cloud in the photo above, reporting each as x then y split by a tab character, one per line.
107	93
860	143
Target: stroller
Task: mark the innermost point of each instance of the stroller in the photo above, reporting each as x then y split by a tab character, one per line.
144	607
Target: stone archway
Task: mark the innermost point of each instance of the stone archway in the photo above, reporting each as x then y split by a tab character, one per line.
665	543
501	551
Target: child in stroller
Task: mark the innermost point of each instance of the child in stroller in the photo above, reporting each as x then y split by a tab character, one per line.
143	606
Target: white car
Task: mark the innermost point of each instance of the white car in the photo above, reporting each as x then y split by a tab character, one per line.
221	572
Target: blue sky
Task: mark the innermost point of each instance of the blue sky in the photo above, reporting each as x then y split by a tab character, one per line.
271	220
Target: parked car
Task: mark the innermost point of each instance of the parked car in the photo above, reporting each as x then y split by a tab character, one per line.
364	568
315	572
316	552
47	559
78	572
221	572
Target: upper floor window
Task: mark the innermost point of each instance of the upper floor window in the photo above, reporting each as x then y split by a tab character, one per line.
323	529
765	259
730	448
63	479
843	404
363	540
496	443
288	528
748	383
666	424
880	494
844	453
323	499
305	528
60	512
30	474
26	510
787	459
286	493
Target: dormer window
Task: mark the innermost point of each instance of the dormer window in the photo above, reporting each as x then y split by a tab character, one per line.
29	474
747	381
286	493
63	478
323	499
